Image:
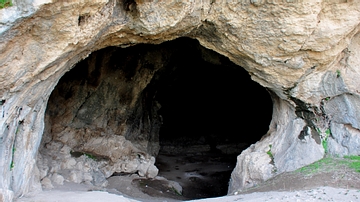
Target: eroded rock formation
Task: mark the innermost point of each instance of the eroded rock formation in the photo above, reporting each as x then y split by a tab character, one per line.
304	52
111	106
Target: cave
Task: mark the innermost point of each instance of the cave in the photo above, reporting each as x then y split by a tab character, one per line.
206	119
112	69
176	104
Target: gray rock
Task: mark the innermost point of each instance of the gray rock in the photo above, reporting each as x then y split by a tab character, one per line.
344	109
344	140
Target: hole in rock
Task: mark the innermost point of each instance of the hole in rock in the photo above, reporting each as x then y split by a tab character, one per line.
188	106
211	111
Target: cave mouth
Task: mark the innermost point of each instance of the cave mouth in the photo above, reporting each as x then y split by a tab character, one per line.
188	106
211	110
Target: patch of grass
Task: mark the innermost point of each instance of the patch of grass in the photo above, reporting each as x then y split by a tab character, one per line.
315	167
328	164
274	170
325	140
354	162
5	3
270	153
176	191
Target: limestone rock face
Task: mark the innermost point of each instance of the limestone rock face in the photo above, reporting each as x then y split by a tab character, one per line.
306	53
100	110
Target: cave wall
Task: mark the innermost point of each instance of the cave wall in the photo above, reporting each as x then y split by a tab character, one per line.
100	109
305	52
104	95
108	110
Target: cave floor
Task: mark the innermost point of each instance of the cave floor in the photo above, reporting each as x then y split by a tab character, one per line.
206	176
202	175
326	181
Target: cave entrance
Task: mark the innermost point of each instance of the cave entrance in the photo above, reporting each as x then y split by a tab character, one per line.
116	110
211	111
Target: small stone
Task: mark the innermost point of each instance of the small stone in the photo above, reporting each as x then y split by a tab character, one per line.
46	183
152	171
57	179
75	176
68	163
88	177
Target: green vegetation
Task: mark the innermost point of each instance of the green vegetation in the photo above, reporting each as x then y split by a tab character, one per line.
329	164
176	191
315	167
78	154
270	153
274	170
12	156
12	165
354	162
325	140
90	156
338	73
5	3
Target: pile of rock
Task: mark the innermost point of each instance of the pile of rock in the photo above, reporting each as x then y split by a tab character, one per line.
58	163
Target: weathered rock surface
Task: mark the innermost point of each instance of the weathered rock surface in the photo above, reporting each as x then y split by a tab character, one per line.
306	53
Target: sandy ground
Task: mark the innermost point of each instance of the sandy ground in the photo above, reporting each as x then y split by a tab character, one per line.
197	178
316	194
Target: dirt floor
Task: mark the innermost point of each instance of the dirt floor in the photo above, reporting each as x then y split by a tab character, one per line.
182	177
201	176
328	180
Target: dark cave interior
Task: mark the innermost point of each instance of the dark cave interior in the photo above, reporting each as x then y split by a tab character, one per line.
216	103
211	111
210	108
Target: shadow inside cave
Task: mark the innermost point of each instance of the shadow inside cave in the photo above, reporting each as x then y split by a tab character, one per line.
199	108
211	111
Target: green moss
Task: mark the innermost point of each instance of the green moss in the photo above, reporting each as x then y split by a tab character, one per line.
78	154
12	165
338	73
272	159
90	156
325	140
12	156
325	145
5	3
270	153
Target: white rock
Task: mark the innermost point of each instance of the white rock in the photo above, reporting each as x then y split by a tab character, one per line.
76	176
68	163
46	183
57	179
